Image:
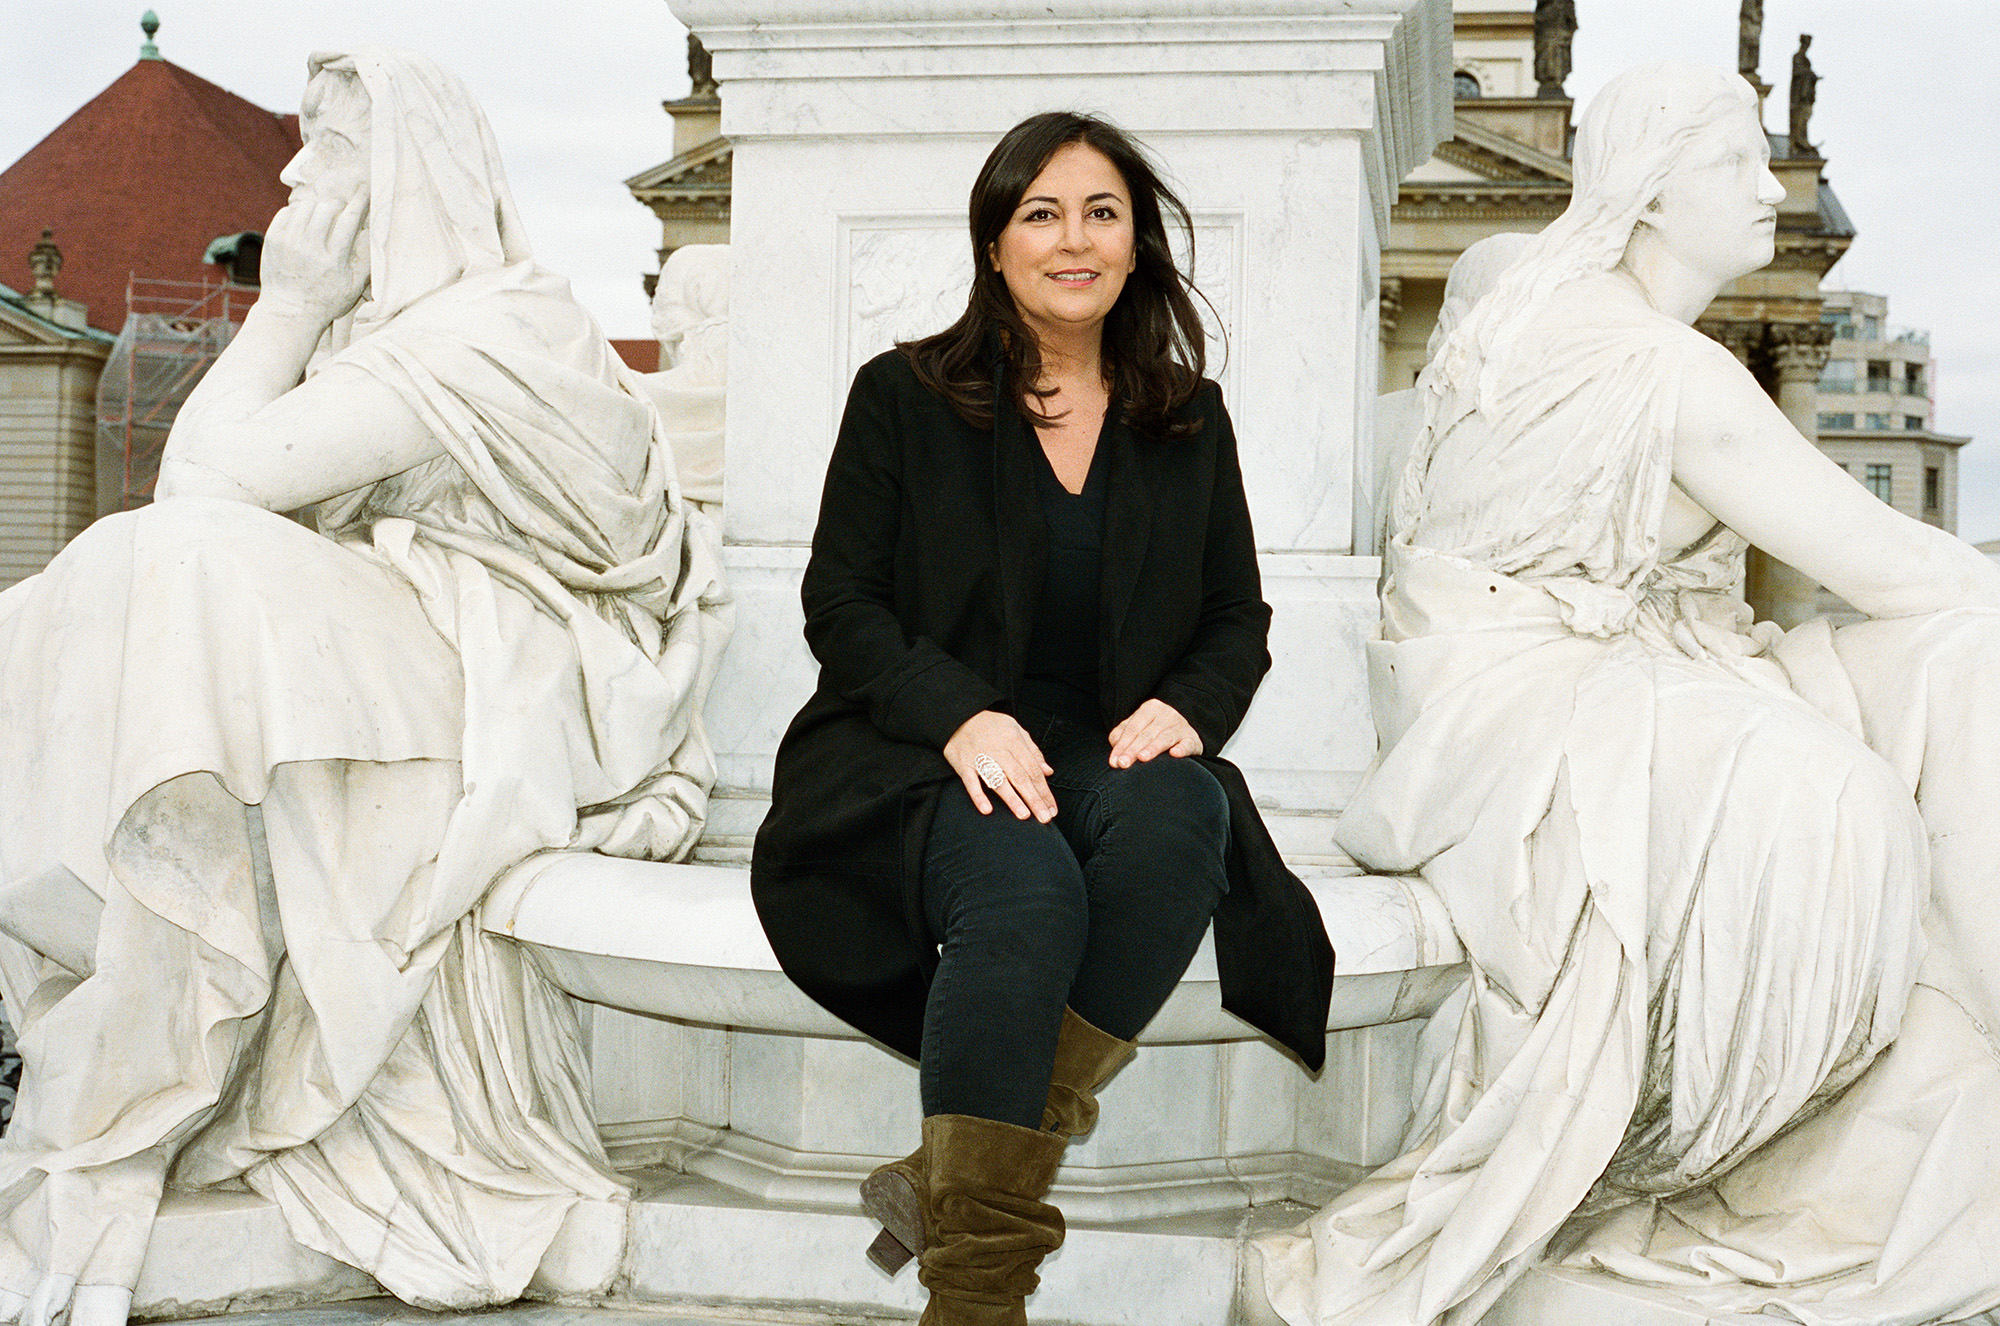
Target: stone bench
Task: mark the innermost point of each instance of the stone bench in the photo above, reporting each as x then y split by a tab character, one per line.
754	1113
684	942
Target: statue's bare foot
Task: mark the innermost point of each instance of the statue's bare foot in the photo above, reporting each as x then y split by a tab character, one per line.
46	1304
100	1305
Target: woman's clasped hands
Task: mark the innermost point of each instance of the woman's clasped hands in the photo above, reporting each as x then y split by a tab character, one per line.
991	741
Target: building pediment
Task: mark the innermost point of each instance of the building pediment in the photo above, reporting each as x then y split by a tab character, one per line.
1487	154
702	169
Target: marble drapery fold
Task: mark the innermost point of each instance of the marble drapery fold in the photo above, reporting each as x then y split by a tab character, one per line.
271	773
1729	1020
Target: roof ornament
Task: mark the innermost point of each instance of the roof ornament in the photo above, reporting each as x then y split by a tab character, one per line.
701	69
45	260
149	23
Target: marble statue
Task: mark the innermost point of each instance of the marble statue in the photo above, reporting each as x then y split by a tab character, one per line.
1724	891
691	320
1749	38
1399	415
256	774
1555	30
1805	91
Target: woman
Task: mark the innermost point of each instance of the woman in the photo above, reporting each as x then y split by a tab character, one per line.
998	830
254	780
1704	1044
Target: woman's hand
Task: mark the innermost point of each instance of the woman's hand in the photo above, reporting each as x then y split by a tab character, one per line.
997	737
315	263
1154	726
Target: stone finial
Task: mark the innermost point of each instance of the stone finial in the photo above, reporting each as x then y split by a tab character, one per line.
149	23
45	260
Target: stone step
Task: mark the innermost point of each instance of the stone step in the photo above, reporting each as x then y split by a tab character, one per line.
697	1252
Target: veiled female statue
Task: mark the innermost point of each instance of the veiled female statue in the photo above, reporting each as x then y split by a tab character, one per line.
256	775
1727	894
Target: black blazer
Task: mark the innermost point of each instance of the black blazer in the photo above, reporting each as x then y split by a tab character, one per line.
919	598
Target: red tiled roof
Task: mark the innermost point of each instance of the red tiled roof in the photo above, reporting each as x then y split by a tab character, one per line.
139	181
639	356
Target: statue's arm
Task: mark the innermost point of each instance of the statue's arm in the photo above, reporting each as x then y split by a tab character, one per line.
1737	455
251	431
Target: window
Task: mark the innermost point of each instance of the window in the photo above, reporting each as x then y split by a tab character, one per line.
1913	423
1878	375
1836	421
1838	375
1871	327
1932	499
1465	87
1842	322
1913	379
1878	480
1878	421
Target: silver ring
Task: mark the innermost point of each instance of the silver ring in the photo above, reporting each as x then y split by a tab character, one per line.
989	771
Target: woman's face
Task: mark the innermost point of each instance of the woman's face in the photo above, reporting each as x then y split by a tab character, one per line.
1070	245
1718	214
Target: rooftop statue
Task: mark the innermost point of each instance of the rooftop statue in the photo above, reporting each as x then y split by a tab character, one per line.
1805	91
1749	37
256	775
1555	30
1725	892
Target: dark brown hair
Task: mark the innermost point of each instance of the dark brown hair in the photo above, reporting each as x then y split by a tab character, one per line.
1154	352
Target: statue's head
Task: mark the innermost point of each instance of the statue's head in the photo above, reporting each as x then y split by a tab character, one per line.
692	294
1476	271
333	121
393	123
1673	155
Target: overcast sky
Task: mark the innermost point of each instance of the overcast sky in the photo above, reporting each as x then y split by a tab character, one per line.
1906	118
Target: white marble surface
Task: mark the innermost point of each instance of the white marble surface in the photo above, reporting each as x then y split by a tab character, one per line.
683	941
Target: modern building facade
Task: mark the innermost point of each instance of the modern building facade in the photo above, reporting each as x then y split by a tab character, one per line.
1875	410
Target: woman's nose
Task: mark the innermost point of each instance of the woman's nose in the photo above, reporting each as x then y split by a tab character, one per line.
1073	235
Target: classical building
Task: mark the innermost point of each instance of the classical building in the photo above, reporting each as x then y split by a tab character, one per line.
151	200
50	360
689	192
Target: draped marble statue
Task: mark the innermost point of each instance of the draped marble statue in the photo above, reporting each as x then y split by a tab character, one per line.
1733	1019
256	775
691	322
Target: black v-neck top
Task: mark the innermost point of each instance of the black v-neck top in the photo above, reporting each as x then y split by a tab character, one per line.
1059	675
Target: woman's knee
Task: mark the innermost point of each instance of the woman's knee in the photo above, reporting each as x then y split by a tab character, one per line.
994	874
1175	797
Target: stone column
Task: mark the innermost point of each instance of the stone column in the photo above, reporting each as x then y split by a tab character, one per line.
1798	352
857	127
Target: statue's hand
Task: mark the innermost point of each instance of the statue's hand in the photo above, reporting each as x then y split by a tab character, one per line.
315	262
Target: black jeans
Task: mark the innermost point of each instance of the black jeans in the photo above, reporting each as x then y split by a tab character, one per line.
1101	909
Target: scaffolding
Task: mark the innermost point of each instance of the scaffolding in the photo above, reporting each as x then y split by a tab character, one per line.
173	331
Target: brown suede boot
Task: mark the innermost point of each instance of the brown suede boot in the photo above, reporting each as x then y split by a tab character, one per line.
894	1194
989	1228
1085	1060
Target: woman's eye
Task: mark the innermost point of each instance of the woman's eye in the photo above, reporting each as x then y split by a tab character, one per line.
1039	214
1104	213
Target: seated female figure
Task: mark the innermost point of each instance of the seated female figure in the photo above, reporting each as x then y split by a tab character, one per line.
1729	1024
254	779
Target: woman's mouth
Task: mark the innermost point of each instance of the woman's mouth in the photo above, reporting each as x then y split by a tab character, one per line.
1075	276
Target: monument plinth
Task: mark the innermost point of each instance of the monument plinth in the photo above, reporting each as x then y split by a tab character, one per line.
857	129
